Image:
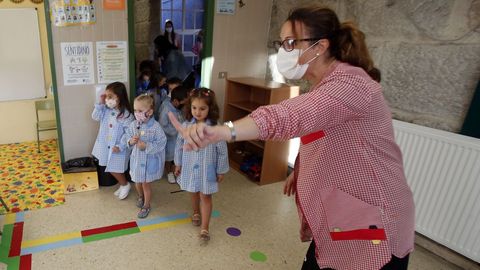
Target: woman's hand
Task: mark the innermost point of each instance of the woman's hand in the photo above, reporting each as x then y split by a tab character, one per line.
290	186
220	178
199	135
115	149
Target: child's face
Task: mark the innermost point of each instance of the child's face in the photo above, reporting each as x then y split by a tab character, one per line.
146	78
142	111
199	109
111	100
162	82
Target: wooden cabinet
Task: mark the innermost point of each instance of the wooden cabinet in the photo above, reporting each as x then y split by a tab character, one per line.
262	162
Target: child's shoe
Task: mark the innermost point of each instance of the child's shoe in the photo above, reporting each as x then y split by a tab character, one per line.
124	190
204	237
143	213
171	178
196	220
117	192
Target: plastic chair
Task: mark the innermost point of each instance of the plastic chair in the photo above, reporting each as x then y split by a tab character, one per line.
44	125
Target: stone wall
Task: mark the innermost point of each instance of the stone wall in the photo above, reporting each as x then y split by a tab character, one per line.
428	52
147	27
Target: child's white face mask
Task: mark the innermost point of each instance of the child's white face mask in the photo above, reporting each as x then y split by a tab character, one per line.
287	63
111	103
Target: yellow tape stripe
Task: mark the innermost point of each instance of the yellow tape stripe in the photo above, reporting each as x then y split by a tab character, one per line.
51	239
10	218
164	225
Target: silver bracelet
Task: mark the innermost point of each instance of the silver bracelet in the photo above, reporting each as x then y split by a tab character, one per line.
233	133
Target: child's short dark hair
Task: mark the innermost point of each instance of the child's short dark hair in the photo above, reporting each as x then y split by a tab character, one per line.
174	80
161	76
147	65
209	97
179	93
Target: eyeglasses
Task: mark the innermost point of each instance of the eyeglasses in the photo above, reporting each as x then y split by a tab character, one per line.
289	44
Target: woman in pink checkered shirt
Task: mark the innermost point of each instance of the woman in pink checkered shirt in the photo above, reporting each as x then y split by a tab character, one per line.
349	184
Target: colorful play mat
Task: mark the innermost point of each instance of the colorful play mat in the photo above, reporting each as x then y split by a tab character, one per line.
30	180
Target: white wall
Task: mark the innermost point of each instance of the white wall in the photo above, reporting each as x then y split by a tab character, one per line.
23	128
76	102
240	44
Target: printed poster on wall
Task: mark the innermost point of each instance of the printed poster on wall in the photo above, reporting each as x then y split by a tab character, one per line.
72	12
226	7
112	61
77	62
113	4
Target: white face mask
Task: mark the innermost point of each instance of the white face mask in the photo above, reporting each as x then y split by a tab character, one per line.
169	29
111	103
287	63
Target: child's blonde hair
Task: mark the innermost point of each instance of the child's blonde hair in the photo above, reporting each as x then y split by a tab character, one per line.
146	99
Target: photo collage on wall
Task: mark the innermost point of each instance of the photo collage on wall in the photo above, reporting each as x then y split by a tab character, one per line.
72	12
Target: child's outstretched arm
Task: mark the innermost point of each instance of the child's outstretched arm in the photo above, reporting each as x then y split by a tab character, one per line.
159	142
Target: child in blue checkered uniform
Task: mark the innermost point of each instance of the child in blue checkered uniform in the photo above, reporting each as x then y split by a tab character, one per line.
174	104
199	172
147	140
114	114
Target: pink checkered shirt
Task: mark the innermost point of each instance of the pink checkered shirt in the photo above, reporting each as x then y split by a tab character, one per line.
351	187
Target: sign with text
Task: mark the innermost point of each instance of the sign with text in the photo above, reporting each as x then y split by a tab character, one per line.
77	63
226	7
113	4
112	61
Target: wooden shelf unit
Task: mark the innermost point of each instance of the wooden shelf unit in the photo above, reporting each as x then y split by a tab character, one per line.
242	96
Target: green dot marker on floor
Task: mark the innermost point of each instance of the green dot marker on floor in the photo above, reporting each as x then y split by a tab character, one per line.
258	256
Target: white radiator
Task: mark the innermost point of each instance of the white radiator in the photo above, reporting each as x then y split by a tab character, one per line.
443	170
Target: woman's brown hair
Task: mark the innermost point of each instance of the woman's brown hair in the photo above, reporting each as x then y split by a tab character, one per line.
347	42
209	97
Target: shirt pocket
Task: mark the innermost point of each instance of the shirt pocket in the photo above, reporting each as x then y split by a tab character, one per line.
211	173
153	165
350	218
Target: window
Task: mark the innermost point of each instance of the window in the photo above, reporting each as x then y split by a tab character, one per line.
187	18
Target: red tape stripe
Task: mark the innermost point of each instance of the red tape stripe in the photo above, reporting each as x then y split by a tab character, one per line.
312	137
363	234
111	228
16	243
25	262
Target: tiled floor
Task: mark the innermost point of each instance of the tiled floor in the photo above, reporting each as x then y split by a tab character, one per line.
268	222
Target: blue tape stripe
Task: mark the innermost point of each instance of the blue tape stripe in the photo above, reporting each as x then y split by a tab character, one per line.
145	222
60	244
20	217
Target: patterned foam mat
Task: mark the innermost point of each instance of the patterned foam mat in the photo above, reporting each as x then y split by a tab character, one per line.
30	180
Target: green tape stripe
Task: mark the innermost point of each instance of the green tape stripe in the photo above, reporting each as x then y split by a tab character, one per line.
7	234
13	263
107	235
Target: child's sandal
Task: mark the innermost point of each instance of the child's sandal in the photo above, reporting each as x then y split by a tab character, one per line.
196	220
204	235
143	213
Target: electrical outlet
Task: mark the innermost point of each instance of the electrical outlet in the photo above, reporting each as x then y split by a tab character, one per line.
222	74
